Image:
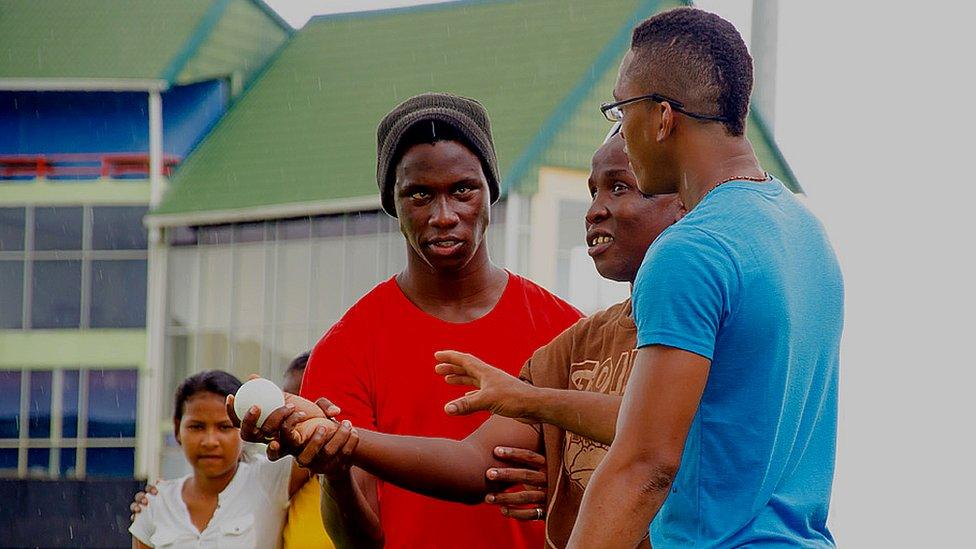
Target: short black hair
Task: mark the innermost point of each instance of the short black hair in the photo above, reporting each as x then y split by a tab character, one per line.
698	58
298	363
217	382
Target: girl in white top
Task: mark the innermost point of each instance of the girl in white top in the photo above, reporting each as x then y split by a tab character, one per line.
227	501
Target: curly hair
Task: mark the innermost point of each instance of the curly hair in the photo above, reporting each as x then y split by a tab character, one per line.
698	58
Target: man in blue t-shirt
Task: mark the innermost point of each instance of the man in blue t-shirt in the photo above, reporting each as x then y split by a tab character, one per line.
726	436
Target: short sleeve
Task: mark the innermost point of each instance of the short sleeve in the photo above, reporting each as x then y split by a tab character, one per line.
274	476
683	292
549	365
337	371
144	526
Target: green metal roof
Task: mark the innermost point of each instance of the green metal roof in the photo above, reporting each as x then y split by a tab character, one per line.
134	39
305	130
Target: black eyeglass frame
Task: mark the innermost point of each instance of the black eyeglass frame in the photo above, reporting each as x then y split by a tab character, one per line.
657	98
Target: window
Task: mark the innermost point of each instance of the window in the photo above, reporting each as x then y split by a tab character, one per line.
85	267
68	423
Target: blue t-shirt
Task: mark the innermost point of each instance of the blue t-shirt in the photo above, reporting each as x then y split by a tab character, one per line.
749	280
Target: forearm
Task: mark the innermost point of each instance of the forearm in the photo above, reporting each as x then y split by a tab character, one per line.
632	492
588	414
347	514
437	467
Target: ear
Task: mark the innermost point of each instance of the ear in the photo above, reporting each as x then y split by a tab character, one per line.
666	126
679	210
176	432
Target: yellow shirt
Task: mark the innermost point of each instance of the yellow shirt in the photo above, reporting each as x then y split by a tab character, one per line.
303	528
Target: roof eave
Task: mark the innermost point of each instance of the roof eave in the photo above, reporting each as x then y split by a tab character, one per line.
264	212
84	84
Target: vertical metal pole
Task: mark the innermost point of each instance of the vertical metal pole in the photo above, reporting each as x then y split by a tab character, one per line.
155	149
764	24
150	403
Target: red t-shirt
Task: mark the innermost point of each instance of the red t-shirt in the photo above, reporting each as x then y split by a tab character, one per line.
377	364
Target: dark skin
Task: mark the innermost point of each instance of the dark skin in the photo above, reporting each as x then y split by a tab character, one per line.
618	210
666	384
442	201
621	224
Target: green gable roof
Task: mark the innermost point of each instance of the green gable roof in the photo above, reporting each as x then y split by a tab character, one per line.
305	131
134	39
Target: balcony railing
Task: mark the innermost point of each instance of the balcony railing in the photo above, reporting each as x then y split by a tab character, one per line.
81	166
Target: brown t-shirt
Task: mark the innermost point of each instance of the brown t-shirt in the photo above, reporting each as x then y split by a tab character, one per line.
595	354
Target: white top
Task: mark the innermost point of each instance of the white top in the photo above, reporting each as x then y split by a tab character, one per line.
250	510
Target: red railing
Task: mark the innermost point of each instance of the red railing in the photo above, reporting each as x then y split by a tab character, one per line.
81	166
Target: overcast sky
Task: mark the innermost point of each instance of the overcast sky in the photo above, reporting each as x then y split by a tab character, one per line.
873	113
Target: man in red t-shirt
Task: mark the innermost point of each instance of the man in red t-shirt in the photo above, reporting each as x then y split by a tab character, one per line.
437	174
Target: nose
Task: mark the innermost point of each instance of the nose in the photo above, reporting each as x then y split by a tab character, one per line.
598	211
442	215
210	439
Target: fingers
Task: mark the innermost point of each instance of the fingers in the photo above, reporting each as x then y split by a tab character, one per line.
248	426
252	376
520	456
231	412
338	440
272	424
521	497
516	476
445	369
536	513
465	405
453	360
151	488
454	379
331	410
312	447
275	450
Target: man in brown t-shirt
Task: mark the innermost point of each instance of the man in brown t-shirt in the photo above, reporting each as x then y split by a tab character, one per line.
594	355
576	382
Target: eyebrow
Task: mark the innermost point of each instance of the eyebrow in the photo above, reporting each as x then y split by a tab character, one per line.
619	172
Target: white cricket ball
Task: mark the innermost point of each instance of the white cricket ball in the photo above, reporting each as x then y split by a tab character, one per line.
258	392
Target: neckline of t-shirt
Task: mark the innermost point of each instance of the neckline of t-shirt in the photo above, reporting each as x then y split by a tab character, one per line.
228	492
411	306
771	186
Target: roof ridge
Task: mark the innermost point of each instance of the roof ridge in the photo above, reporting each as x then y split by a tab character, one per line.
196	39
566	108
230	108
435	6
274	15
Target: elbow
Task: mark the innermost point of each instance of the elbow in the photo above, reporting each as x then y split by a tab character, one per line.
651	474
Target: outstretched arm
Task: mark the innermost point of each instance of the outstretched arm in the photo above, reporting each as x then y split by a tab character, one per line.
437	467
588	414
659	405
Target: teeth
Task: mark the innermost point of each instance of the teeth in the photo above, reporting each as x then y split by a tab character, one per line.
601	240
445	243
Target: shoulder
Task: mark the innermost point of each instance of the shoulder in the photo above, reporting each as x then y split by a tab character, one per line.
592	326
538	298
168	491
361	317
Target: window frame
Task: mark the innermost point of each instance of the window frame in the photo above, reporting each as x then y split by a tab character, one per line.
55	442
86	255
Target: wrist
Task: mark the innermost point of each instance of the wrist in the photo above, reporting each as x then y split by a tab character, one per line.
534	402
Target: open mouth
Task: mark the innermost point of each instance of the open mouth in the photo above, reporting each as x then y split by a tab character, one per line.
444	247
598	244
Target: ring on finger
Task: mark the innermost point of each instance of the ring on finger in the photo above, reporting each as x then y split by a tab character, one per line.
538	513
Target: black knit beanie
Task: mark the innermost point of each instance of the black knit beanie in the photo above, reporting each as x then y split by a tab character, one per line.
465	115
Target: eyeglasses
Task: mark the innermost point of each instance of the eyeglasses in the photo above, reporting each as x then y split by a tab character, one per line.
614	113
614	130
